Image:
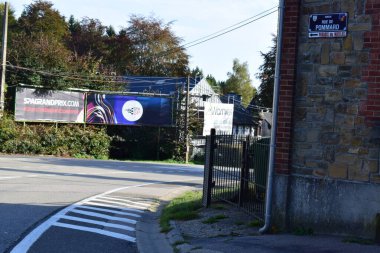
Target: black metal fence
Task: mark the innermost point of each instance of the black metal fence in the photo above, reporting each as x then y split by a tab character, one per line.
236	171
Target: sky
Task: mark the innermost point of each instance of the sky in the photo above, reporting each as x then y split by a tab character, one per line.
192	19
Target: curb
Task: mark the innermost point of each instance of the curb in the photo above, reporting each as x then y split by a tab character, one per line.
149	238
175	237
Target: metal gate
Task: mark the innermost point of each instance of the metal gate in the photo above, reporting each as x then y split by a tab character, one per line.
236	171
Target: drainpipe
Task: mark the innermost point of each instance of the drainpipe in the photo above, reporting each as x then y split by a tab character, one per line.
276	90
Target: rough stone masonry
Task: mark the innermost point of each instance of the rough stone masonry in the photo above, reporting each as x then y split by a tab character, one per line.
328	138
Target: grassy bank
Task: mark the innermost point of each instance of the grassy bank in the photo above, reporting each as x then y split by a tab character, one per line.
184	207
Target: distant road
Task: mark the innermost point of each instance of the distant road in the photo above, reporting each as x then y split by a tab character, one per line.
109	197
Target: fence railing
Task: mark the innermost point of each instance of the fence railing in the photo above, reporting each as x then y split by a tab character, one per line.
236	171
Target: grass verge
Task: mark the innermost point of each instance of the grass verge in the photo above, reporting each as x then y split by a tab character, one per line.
183	207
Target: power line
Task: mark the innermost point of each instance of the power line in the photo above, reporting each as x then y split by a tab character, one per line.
219	33
196	42
229	27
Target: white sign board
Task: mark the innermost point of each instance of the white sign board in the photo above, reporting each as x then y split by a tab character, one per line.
218	116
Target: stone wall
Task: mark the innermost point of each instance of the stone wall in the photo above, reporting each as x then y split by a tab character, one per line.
337	96
328	138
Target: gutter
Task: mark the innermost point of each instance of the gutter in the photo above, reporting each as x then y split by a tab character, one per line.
272	150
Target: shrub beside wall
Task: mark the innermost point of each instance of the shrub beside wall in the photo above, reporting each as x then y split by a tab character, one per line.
51	139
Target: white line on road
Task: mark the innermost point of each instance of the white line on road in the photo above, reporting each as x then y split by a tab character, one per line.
5	178
112	206
25	244
127	201
93	230
96	222
108	211
103	216
118	203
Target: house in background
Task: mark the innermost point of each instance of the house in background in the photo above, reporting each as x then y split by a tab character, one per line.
244	122
200	89
265	124
200	92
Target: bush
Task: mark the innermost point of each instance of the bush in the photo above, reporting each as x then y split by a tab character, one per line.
47	139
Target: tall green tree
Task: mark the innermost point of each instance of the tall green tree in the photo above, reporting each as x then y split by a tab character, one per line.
239	82
41	17
42	59
12	21
87	37
264	96
155	49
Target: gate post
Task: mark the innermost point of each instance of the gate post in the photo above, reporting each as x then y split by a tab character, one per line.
208	169
244	173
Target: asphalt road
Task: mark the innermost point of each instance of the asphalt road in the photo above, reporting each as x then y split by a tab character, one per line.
73	205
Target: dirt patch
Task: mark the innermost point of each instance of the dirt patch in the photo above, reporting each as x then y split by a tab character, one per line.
217	221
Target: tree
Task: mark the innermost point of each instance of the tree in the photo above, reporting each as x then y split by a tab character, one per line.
120	55
155	50
12	21
44	57
197	72
266	76
215	85
87	37
40	17
239	82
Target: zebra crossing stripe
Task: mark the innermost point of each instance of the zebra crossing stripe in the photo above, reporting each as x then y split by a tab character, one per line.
113	206
108	211
118	203
104	216
127	201
96	230
101	223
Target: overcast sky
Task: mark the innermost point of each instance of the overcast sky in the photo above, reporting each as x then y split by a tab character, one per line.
193	19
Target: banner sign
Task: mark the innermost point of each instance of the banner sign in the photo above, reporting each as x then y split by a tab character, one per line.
218	116
49	105
333	25
128	110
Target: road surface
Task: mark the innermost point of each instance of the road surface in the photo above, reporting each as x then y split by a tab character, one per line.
73	205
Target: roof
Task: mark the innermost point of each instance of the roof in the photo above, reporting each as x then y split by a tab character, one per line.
159	85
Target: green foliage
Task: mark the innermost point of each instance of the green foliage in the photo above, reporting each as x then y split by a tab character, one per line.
63	140
155	50
255	223
42	53
41	17
184	207
239	82
264	96
214	219
126	143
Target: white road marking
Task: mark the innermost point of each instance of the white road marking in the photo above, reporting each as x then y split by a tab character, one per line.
118	203
112	206
103	216
25	244
127	201
108	211
96	222
93	230
67	174
6	178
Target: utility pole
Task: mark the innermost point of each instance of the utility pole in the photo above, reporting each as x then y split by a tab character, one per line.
187	120
4	58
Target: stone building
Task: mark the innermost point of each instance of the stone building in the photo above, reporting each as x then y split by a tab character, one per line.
327	171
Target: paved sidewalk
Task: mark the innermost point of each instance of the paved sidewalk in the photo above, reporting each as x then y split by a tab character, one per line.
234	232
